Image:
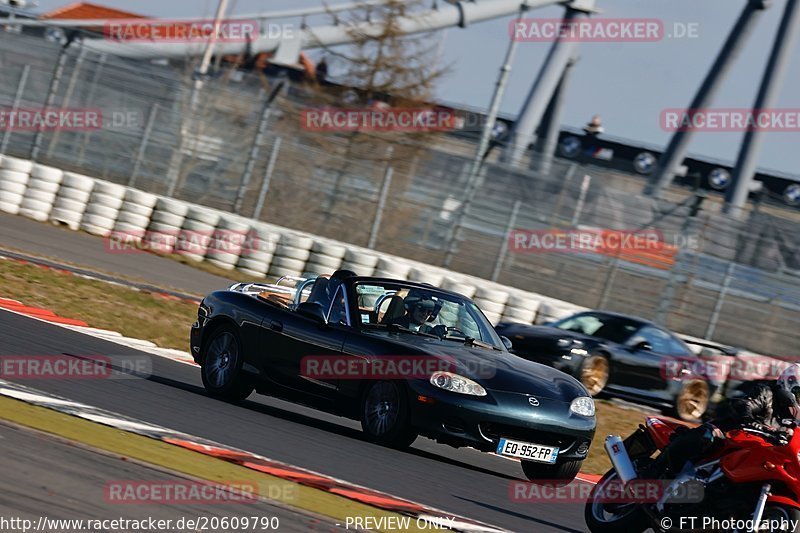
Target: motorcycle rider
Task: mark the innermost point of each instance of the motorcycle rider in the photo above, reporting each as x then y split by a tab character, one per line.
770	408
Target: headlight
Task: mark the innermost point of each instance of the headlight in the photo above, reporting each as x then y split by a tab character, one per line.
583	406
456	383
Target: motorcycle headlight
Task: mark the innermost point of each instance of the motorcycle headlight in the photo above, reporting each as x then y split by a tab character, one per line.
456	383
583	406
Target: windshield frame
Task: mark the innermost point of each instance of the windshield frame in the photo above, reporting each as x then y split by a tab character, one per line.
475	312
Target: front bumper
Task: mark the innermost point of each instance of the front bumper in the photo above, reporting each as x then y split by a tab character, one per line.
480	422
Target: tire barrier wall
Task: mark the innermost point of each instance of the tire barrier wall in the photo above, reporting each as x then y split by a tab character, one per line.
129	217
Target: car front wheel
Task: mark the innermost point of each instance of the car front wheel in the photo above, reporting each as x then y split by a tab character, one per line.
385	415
221	367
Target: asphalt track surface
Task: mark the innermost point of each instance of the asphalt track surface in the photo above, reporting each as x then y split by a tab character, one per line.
461	481
86	250
48	477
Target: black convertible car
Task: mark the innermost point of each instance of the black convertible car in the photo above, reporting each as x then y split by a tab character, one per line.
406	359
620	355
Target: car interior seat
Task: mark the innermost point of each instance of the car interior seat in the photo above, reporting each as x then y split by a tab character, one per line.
395	310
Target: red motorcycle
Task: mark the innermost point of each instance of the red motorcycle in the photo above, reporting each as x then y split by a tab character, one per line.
750	481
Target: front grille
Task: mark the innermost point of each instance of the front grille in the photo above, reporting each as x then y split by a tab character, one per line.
496	431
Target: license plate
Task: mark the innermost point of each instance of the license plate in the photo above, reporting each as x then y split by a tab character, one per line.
528	451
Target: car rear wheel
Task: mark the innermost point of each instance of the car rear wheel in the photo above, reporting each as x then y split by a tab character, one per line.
561	473
594	372
691	402
385	416
221	367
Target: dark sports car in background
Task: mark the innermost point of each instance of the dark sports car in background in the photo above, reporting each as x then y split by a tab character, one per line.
618	355
353	346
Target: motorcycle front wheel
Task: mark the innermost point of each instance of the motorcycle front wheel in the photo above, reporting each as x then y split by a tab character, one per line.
781	514
603	515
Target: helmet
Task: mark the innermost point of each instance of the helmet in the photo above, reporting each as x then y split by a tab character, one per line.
789	380
423	301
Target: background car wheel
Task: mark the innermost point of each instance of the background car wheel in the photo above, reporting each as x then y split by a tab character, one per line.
692	401
221	368
593	373
610	517
562	472
385	416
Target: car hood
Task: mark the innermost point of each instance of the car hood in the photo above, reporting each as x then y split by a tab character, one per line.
548	334
500	370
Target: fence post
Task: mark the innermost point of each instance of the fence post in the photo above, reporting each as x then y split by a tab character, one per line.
501	257
723	291
262	195
587	180
23	80
376	223
672	281
36	146
148	129
247	175
73	78
89	97
565	184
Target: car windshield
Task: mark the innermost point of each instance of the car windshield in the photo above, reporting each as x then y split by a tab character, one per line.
423	311
609	327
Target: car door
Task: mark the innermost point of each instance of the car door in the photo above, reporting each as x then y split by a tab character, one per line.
295	337
641	368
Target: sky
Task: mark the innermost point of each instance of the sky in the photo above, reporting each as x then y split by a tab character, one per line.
628	84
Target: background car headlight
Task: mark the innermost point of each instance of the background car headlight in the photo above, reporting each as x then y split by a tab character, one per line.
583	406
456	383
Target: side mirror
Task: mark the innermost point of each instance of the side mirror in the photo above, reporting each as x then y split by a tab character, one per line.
506	342
313	310
642	346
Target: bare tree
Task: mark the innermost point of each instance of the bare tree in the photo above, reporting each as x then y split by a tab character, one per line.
382	67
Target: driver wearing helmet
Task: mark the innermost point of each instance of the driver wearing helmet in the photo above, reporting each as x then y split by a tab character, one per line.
419	311
770	408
